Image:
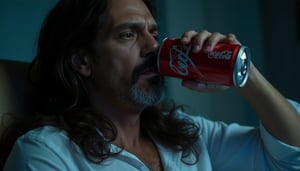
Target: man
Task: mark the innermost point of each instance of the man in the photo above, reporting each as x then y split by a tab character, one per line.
99	102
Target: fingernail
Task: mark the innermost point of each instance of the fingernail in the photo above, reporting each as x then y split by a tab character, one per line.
196	48
231	39
184	39
207	48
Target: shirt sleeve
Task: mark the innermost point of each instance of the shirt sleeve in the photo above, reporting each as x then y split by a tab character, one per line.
234	147
31	155
285	155
42	149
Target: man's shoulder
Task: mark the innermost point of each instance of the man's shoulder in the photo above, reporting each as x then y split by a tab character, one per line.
195	118
205	124
46	135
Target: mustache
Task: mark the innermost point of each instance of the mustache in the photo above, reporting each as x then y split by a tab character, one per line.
150	64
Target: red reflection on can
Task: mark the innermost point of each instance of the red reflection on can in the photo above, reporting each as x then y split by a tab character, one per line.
226	64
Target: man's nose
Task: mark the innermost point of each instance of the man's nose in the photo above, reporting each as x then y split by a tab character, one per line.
149	45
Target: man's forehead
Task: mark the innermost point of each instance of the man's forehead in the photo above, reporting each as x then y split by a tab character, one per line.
130	11
122	8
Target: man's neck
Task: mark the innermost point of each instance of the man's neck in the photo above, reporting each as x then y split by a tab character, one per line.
129	132
124	116
130	136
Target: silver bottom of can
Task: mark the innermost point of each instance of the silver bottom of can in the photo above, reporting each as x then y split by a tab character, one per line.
241	67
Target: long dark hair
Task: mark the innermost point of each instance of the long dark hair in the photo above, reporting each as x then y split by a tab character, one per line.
60	96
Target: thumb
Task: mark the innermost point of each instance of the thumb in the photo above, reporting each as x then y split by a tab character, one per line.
203	87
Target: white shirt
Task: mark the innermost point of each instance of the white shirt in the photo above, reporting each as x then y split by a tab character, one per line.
223	148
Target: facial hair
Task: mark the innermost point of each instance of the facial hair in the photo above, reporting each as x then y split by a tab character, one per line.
154	93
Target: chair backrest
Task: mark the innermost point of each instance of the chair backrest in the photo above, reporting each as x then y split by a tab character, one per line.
14	87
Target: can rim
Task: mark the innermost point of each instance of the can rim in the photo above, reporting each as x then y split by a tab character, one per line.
236	82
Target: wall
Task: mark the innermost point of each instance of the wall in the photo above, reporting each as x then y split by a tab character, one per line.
282	42
19	26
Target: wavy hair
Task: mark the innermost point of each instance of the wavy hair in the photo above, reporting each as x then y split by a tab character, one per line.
60	95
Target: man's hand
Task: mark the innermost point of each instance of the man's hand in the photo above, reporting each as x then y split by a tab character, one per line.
203	87
205	41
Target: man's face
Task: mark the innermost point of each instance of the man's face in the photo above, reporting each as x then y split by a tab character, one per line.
125	50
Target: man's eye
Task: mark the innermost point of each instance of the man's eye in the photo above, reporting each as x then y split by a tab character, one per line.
155	36
127	35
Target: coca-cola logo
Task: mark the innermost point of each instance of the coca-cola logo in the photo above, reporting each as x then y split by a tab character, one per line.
180	60
226	55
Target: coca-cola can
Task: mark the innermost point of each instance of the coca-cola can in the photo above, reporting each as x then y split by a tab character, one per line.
226	64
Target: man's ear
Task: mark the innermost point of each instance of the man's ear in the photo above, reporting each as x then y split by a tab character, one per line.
81	64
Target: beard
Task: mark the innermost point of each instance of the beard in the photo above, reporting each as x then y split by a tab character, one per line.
151	91
150	96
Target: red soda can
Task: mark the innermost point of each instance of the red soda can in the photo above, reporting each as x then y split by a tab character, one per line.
226	64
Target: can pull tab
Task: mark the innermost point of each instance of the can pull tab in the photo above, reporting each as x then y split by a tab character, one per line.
244	66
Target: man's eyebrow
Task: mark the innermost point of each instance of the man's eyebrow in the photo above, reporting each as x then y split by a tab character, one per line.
133	24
